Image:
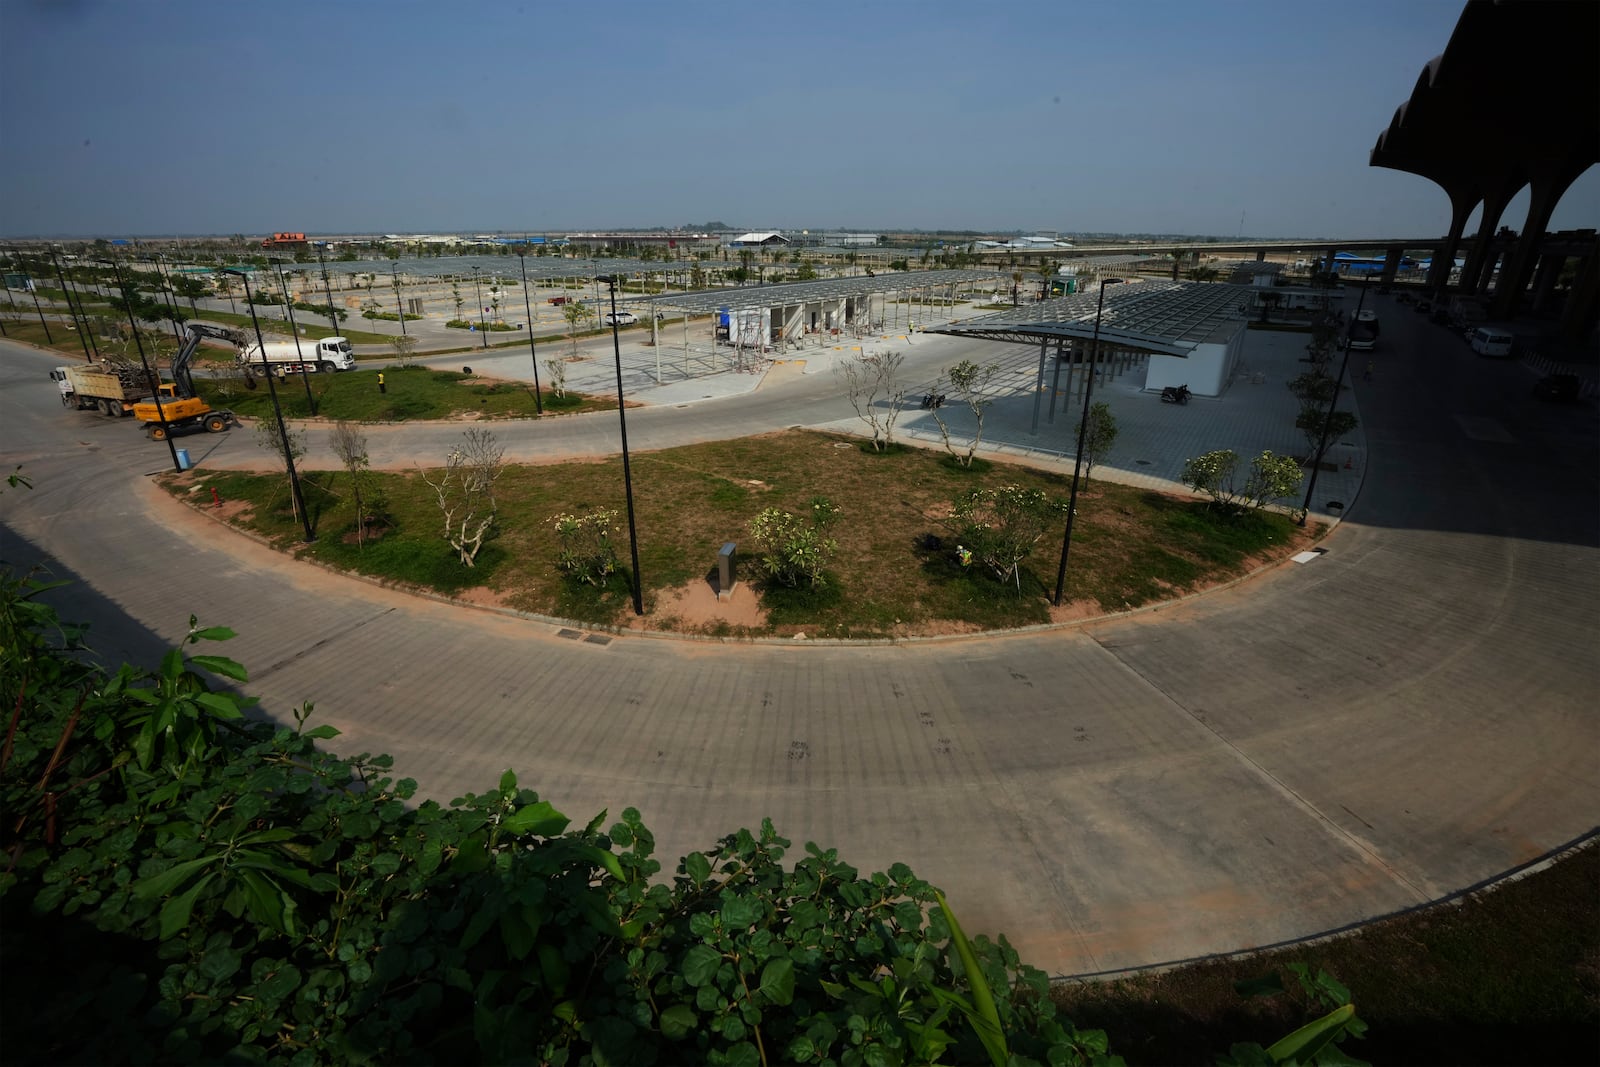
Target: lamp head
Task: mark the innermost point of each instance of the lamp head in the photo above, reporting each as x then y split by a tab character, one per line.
609	279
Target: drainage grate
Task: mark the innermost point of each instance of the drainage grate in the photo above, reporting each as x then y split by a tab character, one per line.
597	639
570	635
1142	462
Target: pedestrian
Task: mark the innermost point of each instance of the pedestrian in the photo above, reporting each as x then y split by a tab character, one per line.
1372	365
381	387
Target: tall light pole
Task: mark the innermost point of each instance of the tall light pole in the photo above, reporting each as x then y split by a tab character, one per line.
622	418
82	314
478	289
1077	466
394	272
153	379
170	298
283	429
82	327
33	289
333	316
538	402
294	328
1333	403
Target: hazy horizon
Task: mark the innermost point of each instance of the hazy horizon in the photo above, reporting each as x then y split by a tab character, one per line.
1251	118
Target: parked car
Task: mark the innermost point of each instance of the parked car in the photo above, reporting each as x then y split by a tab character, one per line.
621	318
559	300
1561	388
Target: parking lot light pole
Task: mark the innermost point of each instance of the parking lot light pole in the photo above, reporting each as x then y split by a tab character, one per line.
277	410
333	316
1077	466
622	418
483	328
1333	403
152	378
83	327
394	272
294	328
538	402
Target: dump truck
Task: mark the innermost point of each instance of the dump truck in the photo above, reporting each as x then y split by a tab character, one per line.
110	387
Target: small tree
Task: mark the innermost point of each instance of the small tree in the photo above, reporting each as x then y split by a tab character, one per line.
405	350
796	549
1311	423
350	445
1099	434
1213	475
455	292
557	369
268	437
868	378
577	316
586	553
465	491
1272	477
971	384
1000	526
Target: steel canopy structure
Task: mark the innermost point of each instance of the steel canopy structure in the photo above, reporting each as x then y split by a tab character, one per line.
789	294
1159	318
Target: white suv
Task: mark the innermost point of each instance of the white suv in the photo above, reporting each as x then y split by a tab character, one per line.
621	318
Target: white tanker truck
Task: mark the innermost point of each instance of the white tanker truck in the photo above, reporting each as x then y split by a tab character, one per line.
284	357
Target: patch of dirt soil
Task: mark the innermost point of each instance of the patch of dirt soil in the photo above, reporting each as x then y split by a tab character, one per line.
698	609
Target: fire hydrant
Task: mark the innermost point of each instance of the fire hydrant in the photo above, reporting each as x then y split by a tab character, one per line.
216	501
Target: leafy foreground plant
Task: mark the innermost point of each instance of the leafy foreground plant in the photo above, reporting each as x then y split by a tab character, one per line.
185	885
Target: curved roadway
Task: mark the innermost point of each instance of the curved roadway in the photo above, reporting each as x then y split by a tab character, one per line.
1410	714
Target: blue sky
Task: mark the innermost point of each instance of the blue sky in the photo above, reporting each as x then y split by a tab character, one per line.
126	117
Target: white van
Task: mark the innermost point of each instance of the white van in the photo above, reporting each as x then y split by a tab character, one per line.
1488	341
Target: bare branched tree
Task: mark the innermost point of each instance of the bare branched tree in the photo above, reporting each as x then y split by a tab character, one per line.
557	369
350	445
971	383
405	350
870	381
465	489
268	437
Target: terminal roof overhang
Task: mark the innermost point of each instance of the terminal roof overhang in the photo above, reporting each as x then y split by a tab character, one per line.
1514	89
790	294
1161	318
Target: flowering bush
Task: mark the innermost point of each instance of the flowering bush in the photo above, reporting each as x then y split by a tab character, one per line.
795	550
586	553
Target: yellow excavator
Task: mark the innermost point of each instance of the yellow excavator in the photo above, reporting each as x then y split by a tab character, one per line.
179	407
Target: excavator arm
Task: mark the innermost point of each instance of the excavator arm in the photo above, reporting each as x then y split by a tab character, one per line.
182	380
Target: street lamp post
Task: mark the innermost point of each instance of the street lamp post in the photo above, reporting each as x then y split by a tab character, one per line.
170	298
333	316
394	273
294	328
1077	466
33	289
283	429
1333	403
538	402
153	379
483	329
622	418
83	326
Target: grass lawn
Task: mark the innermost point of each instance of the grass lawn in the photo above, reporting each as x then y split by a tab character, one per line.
66	340
413	393
1130	546
1506	976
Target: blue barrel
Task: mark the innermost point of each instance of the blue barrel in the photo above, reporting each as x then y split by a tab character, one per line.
183	459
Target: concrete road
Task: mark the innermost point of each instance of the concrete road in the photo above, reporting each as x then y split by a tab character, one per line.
1408	715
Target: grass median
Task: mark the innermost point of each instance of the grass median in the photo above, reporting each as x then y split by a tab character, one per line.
895	572
409	393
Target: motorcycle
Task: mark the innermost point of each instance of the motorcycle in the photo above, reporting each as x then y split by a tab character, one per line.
1175	394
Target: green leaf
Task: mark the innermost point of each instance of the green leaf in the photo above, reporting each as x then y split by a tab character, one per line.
321	733
222	665
175	912
678	1021
211	633
984	1018
1302	1045
743	1054
521	931
265	899
599	857
220	704
698	868
700	965
220	963
159	885
777	981
541	819
508	781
